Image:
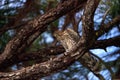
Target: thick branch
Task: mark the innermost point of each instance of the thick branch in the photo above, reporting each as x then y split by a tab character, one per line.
41	55
87	21
107	42
39	23
43	69
59	49
70	38
102	44
46	68
21	49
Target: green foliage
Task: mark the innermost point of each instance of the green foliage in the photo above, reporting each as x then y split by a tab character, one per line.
5	14
4	40
114	8
36	44
8	12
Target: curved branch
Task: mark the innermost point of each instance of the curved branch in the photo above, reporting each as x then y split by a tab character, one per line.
46	68
102	44
38	24
40	55
20	50
43	69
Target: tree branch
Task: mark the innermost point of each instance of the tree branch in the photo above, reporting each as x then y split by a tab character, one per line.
38	24
106	27
40	70
43	69
87	21
40	55
59	49
16	22
102	44
107	42
104	16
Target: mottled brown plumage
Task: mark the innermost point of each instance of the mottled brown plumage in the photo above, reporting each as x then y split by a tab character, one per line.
69	38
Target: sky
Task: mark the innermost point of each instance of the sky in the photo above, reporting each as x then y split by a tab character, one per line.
99	52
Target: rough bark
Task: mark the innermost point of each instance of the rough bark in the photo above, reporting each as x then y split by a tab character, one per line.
51	60
69	39
38	24
87	21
